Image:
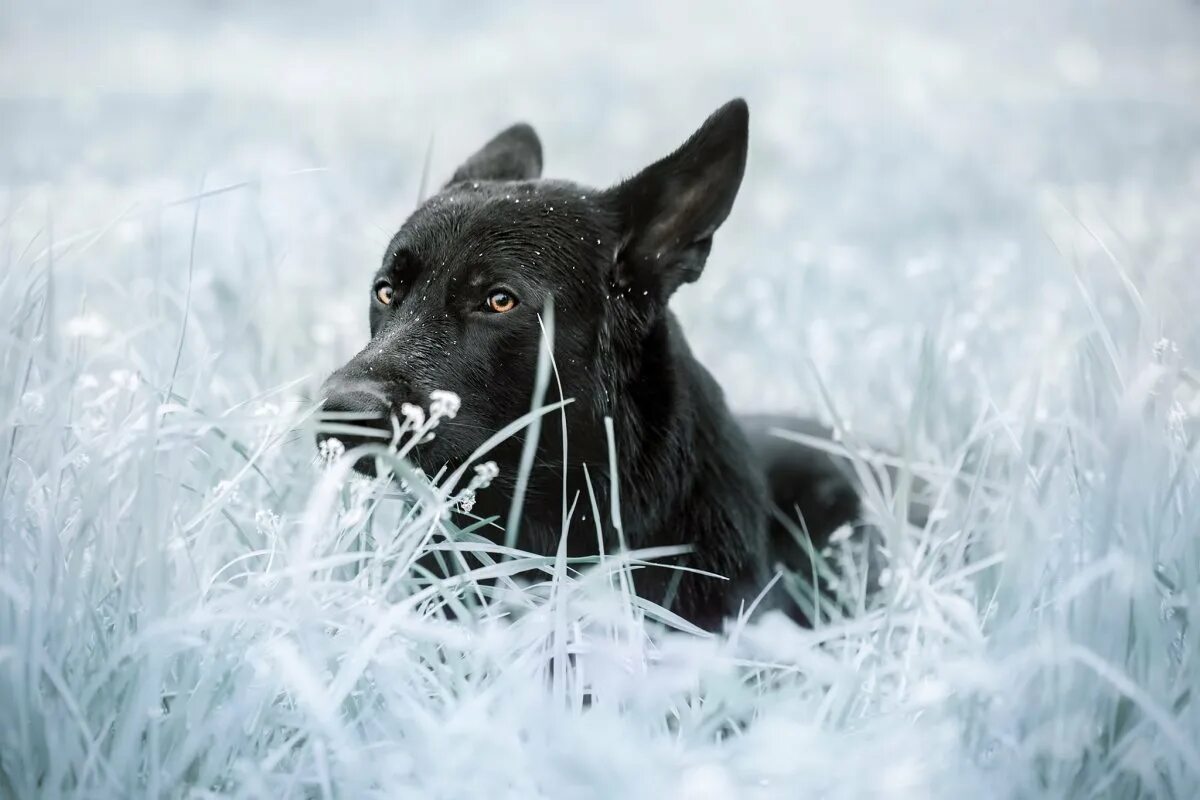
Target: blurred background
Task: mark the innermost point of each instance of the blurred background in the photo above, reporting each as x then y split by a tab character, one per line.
919	171
970	230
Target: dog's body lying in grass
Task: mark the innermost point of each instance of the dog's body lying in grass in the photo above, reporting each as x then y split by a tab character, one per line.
457	305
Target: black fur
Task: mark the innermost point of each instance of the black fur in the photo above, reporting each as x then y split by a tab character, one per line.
610	259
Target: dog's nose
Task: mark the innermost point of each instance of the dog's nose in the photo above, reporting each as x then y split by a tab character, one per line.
361	406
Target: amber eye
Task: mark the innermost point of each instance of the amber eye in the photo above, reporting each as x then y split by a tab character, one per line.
384	292
501	301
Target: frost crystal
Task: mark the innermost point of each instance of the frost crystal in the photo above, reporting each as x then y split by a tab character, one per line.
124	379
413	415
91	326
485	473
1164	347
266	410
330	450
267	522
33	403
841	534
443	404
228	491
1177	418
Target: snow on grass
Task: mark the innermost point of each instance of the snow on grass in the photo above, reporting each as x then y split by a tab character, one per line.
195	602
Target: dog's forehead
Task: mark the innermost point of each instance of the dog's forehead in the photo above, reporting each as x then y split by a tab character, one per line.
508	215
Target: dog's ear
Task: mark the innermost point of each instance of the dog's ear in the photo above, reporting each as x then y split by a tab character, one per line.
670	210
515	154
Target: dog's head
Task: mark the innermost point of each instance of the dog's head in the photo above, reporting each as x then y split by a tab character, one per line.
457	303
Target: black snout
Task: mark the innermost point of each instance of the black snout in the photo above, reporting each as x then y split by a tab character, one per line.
355	414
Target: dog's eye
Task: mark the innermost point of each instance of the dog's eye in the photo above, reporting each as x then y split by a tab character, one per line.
384	292
501	301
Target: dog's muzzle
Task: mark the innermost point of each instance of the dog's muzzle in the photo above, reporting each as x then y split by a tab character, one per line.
359	405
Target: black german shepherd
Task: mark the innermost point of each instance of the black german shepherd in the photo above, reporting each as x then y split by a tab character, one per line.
456	305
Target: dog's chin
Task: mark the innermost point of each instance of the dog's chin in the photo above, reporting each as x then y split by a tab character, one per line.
427	458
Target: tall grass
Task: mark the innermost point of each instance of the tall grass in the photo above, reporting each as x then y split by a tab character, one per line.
195	603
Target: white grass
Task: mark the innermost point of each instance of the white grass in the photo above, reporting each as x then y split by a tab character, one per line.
191	604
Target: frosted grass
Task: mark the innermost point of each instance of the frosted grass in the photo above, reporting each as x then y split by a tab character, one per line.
195	603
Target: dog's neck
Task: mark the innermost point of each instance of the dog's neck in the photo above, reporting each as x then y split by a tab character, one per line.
680	461
682	477
676	440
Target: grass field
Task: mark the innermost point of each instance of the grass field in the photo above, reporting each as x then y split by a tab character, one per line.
195	603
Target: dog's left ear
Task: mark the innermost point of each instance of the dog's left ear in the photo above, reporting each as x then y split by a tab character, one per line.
515	154
670	210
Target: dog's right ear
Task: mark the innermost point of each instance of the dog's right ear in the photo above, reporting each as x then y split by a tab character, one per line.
514	155
670	210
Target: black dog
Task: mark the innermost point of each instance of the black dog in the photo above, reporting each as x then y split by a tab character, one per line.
456	305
